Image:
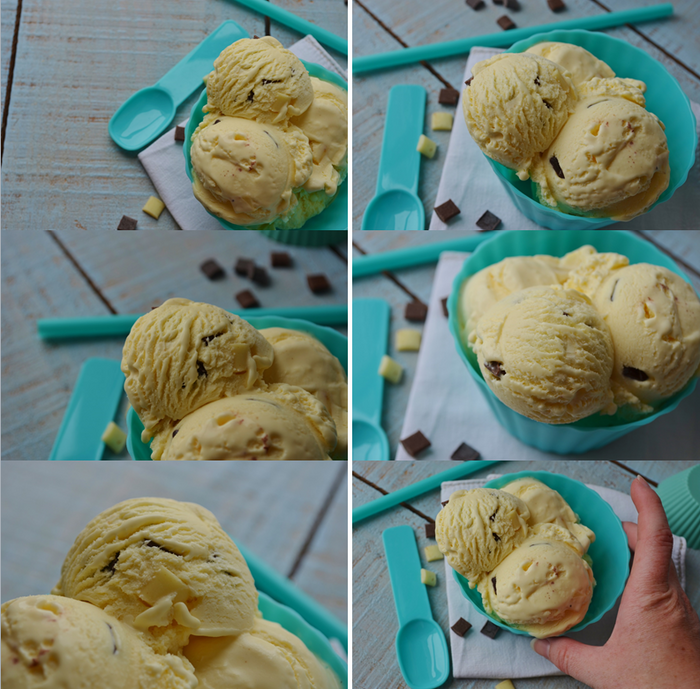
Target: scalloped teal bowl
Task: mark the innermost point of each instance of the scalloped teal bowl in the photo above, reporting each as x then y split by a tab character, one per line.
336	343
595	431
665	98
316	642
609	552
328	227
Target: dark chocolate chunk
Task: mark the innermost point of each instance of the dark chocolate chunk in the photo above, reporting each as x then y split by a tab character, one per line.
179	133
505	22
242	266
556	5
490	630
264	82
488	222
465	453
496	368
461	627
475	4
247	299
126	223
493	581
114	638
415	444
258	275
212	269
512	5
448	97
549	107
498	2
217	121
557	168
443	301
492	518
634	374
597	103
612	294
318	283
469	81
201	370
112	564
446	211
444	502
496	537
430	530
566	314
537	81
251	96
153	544
415	311
175	432
209	338
280	259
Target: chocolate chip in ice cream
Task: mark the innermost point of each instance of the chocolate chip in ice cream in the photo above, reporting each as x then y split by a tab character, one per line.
201	370
496	537
557	168
112	564
495	368
469	81
493	581
634	373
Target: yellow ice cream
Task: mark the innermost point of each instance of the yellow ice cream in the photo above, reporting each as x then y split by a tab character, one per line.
630	89
478	528
259	79
547	354
654	318
610	159
543	587
282	422
301	360
581	65
593	270
50	642
516	105
183	355
267	657
244	171
165	568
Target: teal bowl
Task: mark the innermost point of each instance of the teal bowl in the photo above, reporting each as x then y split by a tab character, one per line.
328	227
586	434
680	496
316	642
609	552
336	343
664	97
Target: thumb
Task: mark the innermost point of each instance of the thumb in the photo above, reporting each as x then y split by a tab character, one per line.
571	657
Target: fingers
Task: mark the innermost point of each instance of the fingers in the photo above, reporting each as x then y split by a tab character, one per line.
654	541
631	531
571	657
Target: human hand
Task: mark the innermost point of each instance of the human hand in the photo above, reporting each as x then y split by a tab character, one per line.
656	640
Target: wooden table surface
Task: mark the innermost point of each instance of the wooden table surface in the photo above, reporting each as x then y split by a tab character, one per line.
291	515
648	443
72	64
75	273
374	615
383	25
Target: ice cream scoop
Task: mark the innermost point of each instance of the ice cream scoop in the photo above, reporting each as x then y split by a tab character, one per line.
281	422
183	355
631	89
610	159
592	270
55	642
515	106
303	361
266	657
578	62
165	568
548	354
478	528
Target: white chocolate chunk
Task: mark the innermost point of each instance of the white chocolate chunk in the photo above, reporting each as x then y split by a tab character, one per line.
408	340
154	207
442	121
428	578
390	369
114	437
426	146
432	552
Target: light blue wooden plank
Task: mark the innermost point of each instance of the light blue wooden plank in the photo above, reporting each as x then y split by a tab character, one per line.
269	507
374	618
76	63
8	14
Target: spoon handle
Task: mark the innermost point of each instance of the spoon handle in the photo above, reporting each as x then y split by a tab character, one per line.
410	595
370	319
186	76
399	164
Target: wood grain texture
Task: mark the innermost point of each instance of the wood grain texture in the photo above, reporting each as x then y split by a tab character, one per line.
651	442
132	272
76	63
8	13
417	23
374	616
269	507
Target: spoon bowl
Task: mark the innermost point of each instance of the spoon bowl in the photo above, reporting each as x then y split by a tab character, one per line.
142	118
369	440
422	652
397	209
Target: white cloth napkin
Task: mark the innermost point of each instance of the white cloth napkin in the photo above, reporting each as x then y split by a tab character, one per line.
165	164
470	182
510	655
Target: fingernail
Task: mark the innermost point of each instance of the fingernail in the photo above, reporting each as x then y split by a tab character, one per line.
642	479
541	647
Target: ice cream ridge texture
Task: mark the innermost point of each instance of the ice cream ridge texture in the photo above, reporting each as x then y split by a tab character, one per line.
153	595
559	115
271	150
525	551
208	385
562	339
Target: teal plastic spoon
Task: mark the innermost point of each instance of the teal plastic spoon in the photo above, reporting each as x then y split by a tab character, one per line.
149	112
370	318
420	644
396	205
